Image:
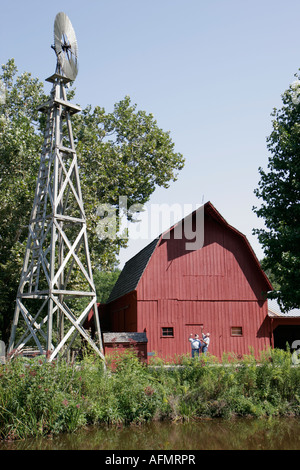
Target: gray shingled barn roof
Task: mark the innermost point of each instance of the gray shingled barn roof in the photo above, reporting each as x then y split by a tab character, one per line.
132	272
125	337
275	311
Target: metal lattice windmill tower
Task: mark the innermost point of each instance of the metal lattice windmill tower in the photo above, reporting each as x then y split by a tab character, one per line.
56	290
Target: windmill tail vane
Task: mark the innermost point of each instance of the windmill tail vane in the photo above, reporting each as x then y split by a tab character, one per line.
56	290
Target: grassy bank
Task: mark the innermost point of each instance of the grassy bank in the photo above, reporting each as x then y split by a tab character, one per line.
42	399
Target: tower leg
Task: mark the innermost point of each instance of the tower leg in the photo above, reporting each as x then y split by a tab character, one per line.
13	331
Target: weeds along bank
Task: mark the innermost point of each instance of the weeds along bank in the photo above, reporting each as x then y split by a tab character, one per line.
37	398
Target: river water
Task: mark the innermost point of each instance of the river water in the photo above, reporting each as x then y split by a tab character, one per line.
215	434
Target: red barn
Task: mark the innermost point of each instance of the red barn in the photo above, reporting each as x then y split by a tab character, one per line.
169	291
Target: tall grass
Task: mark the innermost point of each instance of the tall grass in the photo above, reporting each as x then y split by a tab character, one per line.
38	398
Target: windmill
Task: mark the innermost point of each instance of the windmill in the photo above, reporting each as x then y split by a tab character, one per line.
56	290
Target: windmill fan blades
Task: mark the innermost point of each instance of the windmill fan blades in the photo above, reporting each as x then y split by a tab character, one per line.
65	44
63	27
69	67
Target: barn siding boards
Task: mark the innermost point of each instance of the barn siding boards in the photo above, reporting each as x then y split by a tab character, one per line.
218	318
123	314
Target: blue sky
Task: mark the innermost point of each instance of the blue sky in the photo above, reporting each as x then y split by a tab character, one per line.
209	71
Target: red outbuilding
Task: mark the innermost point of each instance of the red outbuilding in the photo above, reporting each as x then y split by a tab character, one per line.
173	288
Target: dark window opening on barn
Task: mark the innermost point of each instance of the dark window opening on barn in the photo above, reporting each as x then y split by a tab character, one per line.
285	336
236	331
167	331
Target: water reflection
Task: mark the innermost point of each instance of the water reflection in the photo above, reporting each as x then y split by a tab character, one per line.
242	434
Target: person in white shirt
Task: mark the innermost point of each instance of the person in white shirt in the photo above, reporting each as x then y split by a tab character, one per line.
206	341
195	344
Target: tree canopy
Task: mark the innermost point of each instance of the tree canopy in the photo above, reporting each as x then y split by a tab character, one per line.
121	153
279	189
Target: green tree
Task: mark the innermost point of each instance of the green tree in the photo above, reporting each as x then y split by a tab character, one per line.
122	153
104	282
279	188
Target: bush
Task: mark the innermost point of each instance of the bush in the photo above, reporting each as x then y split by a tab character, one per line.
38	398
